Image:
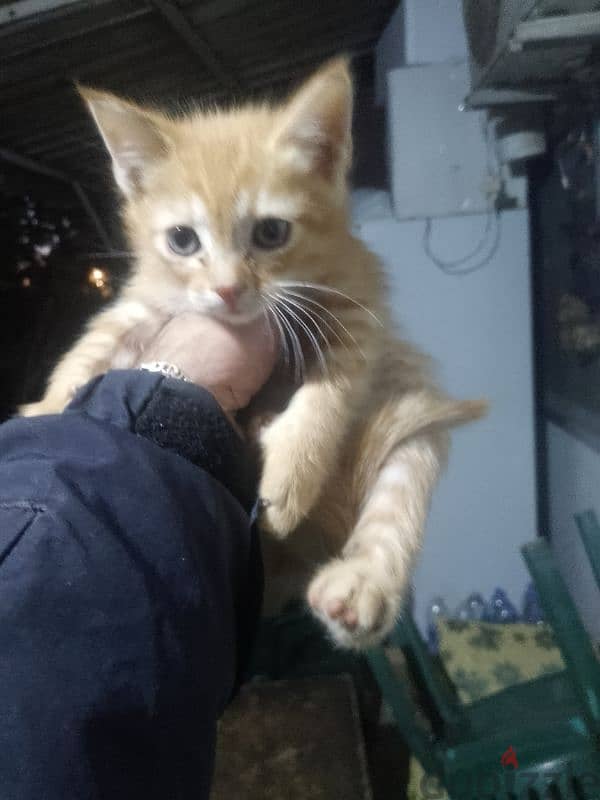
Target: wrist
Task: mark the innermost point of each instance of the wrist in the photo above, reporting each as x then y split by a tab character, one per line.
170	370
187	418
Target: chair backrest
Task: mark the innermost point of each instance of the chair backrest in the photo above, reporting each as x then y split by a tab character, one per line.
582	666
583	669
589	530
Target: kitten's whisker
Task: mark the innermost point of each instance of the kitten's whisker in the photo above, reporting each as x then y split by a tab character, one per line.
313	340
313	317
296	346
270	312
289	340
322	288
299	352
324	321
282	336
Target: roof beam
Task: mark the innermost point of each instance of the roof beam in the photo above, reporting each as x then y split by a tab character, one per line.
33	166
13	12
54	151
216	9
71	28
56	131
196	43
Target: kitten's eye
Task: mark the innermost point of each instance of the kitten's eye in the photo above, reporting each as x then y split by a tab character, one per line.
270	232
183	240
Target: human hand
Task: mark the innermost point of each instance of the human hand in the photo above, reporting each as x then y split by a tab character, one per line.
231	361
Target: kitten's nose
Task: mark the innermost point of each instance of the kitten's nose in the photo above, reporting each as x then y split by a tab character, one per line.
230	295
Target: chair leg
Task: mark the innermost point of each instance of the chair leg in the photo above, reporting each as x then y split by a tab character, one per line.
406	713
589	530
436	681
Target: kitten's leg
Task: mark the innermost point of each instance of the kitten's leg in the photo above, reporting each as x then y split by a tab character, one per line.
358	596
300	449
93	354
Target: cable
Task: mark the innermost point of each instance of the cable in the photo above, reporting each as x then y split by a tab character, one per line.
453	267
495	179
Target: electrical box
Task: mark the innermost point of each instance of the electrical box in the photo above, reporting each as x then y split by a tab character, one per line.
442	159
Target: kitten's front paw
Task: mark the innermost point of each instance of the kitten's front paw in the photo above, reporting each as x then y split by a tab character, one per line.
53	402
39	408
285	502
356	608
290	483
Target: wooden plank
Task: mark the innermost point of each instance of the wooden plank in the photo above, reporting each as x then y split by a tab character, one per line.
297	738
196	43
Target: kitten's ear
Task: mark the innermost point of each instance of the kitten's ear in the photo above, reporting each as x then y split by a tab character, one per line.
132	136
316	123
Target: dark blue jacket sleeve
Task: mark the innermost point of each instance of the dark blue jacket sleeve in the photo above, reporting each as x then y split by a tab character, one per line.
129	590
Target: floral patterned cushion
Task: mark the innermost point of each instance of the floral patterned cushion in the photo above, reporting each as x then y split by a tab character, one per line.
482	658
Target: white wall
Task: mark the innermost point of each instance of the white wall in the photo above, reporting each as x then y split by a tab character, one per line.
389	53
478	329
574	486
434	31
420	32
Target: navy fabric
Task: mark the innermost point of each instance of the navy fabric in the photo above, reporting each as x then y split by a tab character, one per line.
130	585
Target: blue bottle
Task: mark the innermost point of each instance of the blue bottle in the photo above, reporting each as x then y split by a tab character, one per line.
472	609
500	609
436	610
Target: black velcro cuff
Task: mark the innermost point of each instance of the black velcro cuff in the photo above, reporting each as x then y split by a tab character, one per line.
187	419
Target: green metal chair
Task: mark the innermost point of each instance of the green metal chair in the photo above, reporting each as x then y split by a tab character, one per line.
551	724
589	530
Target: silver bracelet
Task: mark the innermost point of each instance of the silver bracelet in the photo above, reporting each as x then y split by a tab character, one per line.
166	369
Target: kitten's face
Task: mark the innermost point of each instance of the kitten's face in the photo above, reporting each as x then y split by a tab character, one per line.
221	207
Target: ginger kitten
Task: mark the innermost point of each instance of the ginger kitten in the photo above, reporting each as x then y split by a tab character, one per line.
242	213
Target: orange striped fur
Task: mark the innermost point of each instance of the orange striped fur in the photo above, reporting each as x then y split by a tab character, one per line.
350	462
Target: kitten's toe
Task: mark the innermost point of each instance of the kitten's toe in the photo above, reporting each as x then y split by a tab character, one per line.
38	409
29	410
277	520
357	610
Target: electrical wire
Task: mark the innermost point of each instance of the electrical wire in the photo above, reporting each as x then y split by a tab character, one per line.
456	267
493	225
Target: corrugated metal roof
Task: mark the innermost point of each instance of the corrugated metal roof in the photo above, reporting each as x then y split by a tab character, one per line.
159	51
